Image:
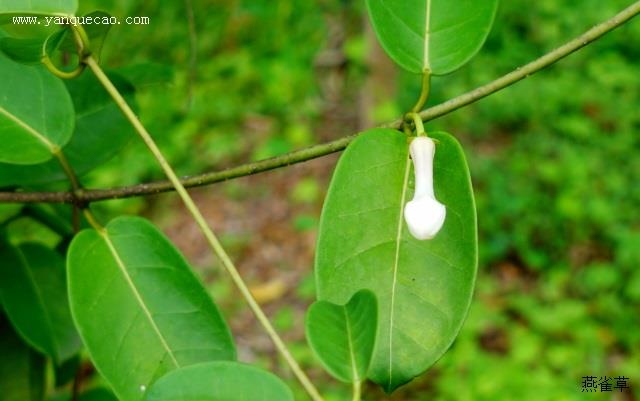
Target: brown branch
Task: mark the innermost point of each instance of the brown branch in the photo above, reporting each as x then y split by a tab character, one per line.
334	146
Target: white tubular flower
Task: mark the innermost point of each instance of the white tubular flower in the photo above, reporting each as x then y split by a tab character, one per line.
424	214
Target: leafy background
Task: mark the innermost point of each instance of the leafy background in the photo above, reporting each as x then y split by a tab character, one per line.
552	159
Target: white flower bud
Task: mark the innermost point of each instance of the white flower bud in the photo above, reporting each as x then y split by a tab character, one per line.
424	214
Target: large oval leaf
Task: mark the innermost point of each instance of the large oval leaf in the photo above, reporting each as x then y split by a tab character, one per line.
139	308
101	131
435	35
45	7
33	290
343	336
36	113
423	288
22	371
219	381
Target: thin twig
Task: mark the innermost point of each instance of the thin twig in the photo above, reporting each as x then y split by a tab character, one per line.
337	145
95	195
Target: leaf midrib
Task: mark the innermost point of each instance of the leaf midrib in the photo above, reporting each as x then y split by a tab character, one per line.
426	64
136	293
32	131
352	354
40	299
394	281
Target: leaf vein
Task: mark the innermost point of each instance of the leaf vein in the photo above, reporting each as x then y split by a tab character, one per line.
138	297
396	263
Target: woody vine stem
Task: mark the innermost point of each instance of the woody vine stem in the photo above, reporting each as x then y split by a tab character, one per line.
95	195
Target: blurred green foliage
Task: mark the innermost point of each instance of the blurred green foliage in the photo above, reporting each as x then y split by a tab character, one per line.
553	158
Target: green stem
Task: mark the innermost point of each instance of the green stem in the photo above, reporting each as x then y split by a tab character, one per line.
68	170
82	41
82	47
58	72
93	222
208	233
407	129
357	390
417	121
76	187
424	93
77	204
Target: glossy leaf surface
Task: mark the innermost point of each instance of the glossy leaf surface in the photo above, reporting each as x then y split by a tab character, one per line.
33	291
423	288
22	371
139	308
101	131
36	113
438	35
219	381
343	336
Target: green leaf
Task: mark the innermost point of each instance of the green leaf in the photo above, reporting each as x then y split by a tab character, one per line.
22	371
435	35
101	132
423	288
31	50
343	336
36	113
219	381
139	308
42	7
33	291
